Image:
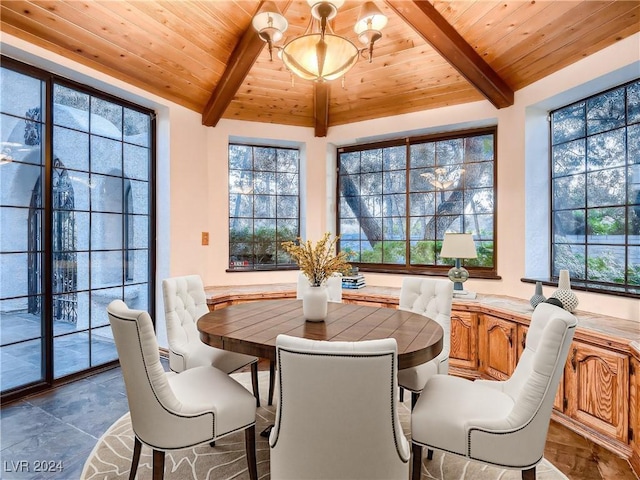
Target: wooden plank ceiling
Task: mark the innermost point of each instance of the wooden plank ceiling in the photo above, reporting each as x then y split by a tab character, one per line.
205	56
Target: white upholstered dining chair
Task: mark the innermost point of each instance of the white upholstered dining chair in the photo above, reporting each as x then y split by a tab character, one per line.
431	297
337	414
185	302
172	411
502	423
334	287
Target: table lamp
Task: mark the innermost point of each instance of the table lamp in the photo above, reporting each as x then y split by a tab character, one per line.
458	246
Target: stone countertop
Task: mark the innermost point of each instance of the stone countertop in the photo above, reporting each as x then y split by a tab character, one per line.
610	326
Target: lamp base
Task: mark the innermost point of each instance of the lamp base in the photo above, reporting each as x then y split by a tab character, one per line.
464	294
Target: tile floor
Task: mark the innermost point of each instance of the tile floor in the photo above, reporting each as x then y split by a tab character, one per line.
60	427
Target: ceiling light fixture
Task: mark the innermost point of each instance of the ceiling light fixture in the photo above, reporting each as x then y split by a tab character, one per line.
320	54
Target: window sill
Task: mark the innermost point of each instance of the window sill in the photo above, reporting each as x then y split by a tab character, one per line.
593	287
261	269
432	272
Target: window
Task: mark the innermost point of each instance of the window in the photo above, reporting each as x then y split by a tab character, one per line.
595	182
264	206
397	199
75	224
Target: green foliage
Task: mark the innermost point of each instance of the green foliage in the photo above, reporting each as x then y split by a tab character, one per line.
485	256
605	222
422	253
259	247
606	267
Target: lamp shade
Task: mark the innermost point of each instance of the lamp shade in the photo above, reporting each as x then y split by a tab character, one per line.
370	18
458	245
271	21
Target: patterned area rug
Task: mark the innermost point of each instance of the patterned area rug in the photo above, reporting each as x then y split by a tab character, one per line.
111	457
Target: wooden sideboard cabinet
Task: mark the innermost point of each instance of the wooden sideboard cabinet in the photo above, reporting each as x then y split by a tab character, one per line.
596	383
595	396
497	341
464	340
593	388
634	409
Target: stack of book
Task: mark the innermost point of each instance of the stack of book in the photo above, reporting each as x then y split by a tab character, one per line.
353	281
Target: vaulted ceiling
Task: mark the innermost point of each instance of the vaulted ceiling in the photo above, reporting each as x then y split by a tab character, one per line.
204	54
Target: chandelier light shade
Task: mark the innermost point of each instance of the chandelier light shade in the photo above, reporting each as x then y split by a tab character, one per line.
317	57
320	54
369	25
270	24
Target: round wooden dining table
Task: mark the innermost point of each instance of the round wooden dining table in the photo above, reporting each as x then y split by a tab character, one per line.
252	328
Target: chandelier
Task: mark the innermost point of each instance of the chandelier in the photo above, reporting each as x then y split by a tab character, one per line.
320	54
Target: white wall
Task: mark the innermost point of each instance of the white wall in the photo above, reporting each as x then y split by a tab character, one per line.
192	170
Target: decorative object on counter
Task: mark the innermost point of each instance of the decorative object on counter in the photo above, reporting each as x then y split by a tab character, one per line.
318	263
537	297
459	245
564	292
353	282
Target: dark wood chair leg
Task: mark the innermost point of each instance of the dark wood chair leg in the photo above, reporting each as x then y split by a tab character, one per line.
529	474
158	465
272	380
137	446
401	394
254	382
417	461
250	447
429	454
414	399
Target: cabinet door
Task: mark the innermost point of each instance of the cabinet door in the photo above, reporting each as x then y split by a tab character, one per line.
464	340
597	389
634	399
558	402
498	351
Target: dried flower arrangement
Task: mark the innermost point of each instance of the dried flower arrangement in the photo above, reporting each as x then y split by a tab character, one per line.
318	262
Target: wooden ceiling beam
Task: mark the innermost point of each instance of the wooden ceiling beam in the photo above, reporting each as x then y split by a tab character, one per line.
242	58
321	108
423	17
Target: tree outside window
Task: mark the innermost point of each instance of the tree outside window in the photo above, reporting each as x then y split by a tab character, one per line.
595	181
397	199
264	206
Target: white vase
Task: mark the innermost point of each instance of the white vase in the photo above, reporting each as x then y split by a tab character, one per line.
314	303
564	292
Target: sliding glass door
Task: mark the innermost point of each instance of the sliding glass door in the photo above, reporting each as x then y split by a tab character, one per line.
22	170
76	219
